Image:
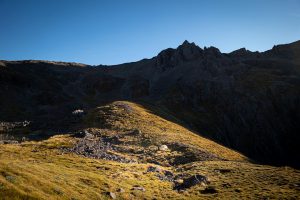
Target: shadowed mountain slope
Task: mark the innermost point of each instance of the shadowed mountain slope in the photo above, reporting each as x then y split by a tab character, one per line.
248	101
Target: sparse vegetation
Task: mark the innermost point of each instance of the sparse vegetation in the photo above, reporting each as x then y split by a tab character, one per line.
43	170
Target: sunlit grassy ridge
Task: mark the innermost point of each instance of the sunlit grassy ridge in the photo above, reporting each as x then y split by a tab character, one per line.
41	170
130	116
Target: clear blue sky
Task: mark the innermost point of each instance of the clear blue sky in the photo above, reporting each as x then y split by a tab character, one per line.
118	31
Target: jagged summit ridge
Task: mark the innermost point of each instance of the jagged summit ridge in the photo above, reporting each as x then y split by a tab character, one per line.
185	52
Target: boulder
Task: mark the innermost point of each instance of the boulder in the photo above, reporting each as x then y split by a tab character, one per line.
78	112
154	169
137	132
153	148
192	181
138	188
112	195
168	173
163	148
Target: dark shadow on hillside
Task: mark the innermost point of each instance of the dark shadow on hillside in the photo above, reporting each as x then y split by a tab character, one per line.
46	93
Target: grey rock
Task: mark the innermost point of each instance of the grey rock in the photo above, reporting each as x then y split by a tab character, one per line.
112	195
153	148
137	132
154	169
168	173
192	181
139	188
96	147
163	148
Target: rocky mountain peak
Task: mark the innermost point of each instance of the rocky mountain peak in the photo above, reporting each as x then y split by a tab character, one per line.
288	51
212	51
188	51
185	52
186	43
241	52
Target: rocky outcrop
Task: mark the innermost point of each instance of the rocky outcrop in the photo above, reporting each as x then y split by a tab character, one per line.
192	181
95	147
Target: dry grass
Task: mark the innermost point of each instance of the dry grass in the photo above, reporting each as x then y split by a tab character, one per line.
40	170
129	116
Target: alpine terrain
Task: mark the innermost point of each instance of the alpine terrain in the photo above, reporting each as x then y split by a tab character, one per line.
189	123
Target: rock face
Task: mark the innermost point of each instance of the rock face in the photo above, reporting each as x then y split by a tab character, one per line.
95	147
192	181
248	101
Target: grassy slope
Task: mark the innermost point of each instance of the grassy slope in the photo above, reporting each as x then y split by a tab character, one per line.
122	116
39	170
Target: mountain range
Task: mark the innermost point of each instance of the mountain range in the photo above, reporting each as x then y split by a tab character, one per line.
231	109
248	101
